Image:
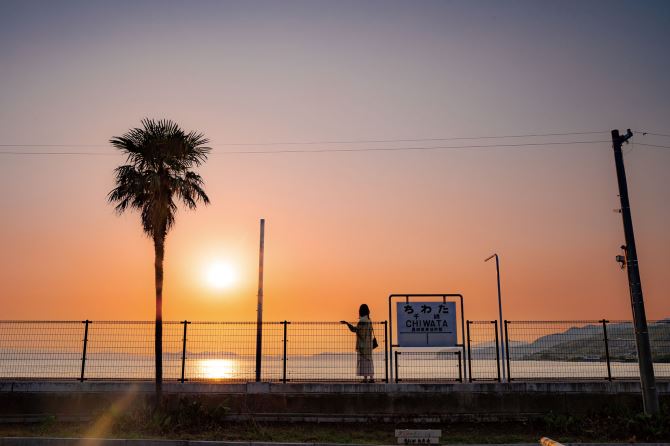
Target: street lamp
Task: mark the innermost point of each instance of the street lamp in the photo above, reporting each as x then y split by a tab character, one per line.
500	314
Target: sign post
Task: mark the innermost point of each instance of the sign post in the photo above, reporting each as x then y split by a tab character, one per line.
423	323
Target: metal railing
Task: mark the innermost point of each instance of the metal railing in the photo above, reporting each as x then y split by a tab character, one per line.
323	351
32	349
427	366
226	351
192	351
562	350
483	351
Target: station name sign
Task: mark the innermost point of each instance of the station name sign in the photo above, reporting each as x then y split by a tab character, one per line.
426	324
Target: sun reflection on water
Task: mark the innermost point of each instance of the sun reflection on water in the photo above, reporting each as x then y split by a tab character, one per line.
217	368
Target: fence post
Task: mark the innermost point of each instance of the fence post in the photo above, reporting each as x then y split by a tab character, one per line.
283	376
495	328
460	374
183	352
83	356
607	350
396	366
507	352
469	358
386	353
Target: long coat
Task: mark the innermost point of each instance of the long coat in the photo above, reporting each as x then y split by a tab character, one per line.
363	330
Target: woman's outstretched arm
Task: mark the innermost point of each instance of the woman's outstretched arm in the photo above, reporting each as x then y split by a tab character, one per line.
351	327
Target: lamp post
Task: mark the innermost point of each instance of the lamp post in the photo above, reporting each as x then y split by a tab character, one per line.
500	315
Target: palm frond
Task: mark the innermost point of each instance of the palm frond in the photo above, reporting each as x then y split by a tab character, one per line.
130	190
189	189
160	156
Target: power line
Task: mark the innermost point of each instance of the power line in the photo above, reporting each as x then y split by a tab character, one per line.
343	150
652	145
352	141
55	145
665	135
61	153
381	141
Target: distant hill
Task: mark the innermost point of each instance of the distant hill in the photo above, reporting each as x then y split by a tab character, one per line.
587	344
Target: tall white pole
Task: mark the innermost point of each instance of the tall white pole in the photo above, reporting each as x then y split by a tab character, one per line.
259	321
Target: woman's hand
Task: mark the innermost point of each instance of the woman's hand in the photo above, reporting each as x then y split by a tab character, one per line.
344	322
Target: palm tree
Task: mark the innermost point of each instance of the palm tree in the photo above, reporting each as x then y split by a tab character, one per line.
158	174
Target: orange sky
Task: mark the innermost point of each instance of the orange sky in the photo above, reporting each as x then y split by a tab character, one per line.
342	228
350	237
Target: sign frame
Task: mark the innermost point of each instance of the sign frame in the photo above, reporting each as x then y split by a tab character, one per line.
426	324
451	297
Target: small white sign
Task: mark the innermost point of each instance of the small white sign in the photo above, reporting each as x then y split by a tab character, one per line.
418	436
418	433
426	324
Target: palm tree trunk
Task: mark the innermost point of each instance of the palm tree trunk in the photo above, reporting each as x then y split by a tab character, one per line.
159	248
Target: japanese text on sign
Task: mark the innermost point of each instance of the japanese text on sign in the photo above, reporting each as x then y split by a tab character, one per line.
426	324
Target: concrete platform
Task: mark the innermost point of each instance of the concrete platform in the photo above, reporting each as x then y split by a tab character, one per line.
105	386
322	402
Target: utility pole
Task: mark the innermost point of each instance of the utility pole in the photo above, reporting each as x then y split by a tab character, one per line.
259	322
648	382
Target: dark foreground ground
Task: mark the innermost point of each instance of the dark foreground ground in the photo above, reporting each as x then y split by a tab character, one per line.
334	412
195	424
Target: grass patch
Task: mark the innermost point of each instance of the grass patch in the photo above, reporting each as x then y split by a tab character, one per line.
190	420
344	433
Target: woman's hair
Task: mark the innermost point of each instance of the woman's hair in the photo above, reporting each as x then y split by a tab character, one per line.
363	311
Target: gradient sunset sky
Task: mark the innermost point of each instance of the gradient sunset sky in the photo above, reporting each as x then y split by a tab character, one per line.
342	227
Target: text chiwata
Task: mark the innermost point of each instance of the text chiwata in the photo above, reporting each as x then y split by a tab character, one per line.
424	325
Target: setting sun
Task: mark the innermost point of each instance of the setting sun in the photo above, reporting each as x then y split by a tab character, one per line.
220	275
217	368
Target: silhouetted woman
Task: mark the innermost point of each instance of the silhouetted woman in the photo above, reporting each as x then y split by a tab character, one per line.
364	336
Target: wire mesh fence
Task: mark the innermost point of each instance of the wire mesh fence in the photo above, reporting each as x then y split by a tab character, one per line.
31	349
659	337
326	351
192	351
623	350
125	350
562	350
226	351
483	351
428	366
323	351
556	350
